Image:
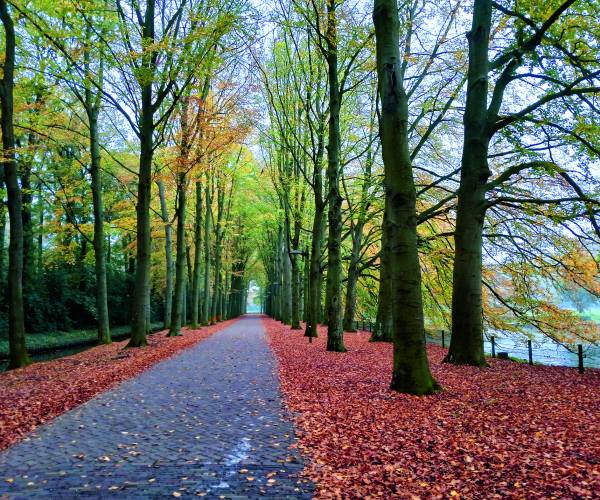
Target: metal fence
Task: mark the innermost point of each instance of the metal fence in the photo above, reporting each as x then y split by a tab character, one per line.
537	351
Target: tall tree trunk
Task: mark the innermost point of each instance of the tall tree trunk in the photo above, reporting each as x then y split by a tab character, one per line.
16	324
40	236
197	256
295	293
207	221
306	272
141	294
98	206
466	342
2	234
168	253
335	334
286	277
180	270
28	248
217	284
383	328
353	272
411	368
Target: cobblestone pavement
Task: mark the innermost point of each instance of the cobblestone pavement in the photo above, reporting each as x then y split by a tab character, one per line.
208	422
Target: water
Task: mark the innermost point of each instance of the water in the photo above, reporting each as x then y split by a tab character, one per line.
47	356
546	351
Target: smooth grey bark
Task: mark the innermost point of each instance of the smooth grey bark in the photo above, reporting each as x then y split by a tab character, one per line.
180	259
286	275
164	213
2	235
98	207
40	236
28	248
314	272
335	333
352	278
141	293
207	224
383	327
411	372
217	285
466	344
18	356
92	103
196	278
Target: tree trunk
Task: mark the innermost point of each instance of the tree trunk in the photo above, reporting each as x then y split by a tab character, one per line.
383	328
335	334
2	234
411	367
207	220
197	256
168	253
141	294
286	275
98	206
466	342
16	325
40	236
217	284
314	281
180	270
352	280
142	267
28	248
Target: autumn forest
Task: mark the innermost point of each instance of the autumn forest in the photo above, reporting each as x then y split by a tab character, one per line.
374	196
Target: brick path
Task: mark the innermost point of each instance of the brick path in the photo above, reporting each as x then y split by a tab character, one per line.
208	422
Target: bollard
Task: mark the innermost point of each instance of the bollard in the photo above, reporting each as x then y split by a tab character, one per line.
443	340
530	352
493	346
580	356
370	326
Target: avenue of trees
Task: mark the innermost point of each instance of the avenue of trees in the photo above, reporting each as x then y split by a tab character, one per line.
422	165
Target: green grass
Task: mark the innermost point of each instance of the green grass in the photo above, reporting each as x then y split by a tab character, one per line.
60	340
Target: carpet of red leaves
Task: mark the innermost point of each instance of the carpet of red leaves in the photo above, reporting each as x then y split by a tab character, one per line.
36	394
507	431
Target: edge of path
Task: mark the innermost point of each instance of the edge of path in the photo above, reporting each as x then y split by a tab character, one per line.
36	394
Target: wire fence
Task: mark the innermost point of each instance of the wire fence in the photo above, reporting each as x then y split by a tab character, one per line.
534	351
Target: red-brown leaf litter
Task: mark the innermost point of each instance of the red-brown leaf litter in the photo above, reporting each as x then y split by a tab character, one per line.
507	431
36	394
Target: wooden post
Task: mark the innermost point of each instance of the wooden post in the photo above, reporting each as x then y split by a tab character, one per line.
530	352
580	356
443	339
493	347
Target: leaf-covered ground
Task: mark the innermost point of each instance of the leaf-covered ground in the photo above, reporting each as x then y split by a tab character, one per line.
510	430
40	392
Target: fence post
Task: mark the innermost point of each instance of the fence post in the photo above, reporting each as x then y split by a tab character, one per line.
580	356
530	352
443	340
493	346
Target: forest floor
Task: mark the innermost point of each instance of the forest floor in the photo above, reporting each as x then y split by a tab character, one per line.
32	396
507	431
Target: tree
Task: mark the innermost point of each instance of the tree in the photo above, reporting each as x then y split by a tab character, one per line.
411	368
482	121
16	323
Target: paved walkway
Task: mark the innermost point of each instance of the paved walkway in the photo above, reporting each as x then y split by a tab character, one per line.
208	422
